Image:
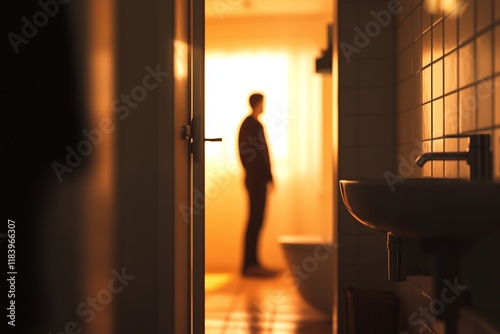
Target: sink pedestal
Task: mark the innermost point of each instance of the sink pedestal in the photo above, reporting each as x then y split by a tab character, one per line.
430	257
405	257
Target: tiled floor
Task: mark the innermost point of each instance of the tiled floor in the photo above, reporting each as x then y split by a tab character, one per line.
236	305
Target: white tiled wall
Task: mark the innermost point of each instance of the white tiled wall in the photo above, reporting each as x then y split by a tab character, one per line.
448	71
424	76
367	138
447	79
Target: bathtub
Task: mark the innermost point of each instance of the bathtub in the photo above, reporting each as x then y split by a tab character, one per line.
311	263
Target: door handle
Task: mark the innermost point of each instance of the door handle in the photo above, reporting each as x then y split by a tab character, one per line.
188	135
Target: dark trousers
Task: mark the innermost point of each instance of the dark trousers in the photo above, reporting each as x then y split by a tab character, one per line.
257	191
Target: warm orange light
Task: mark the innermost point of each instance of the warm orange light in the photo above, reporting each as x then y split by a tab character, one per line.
215	281
293	121
439	6
230	79
98	202
180	54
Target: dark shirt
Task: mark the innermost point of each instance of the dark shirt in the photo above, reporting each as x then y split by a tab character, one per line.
254	153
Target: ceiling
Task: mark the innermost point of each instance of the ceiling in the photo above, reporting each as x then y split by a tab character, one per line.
249	8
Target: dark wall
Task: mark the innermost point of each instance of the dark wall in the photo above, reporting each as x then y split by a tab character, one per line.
42	113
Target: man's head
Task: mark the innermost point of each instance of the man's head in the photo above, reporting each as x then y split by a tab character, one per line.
256	101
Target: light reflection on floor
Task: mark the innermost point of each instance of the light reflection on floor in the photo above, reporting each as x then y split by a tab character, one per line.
238	306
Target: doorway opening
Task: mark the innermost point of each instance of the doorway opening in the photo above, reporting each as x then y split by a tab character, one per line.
268	47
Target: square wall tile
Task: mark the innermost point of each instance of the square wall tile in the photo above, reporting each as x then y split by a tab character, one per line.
405	65
467	109
348	163
466	20
426	19
348	277
348	72
405	33
374	277
417	90
377	100
348	130
348	250
496	98
496	48
451	167
405	130
466	61
365	8
463	167
417	22
450	32
377	130
402	133
484	95
484	56
349	16
437	41
426	48
426	121
451	114
450	72
437	17
484	14
496	11
347	224
348	101
375	161
427	84
380	46
405	12
405	95
372	249
437	79
376	72
438	166
437	118
417	56
417	133
427	168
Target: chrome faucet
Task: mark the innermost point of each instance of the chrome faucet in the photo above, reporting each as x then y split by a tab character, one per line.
478	157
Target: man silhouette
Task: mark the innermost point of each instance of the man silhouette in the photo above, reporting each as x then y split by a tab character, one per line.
254	155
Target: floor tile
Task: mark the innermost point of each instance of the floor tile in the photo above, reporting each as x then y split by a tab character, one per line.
236	305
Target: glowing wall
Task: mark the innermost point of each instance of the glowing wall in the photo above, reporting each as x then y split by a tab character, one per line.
274	56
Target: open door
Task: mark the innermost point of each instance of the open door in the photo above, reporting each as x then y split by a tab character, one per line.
189	242
187	233
160	168
197	35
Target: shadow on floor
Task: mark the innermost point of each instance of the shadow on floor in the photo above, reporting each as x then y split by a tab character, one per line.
237	305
